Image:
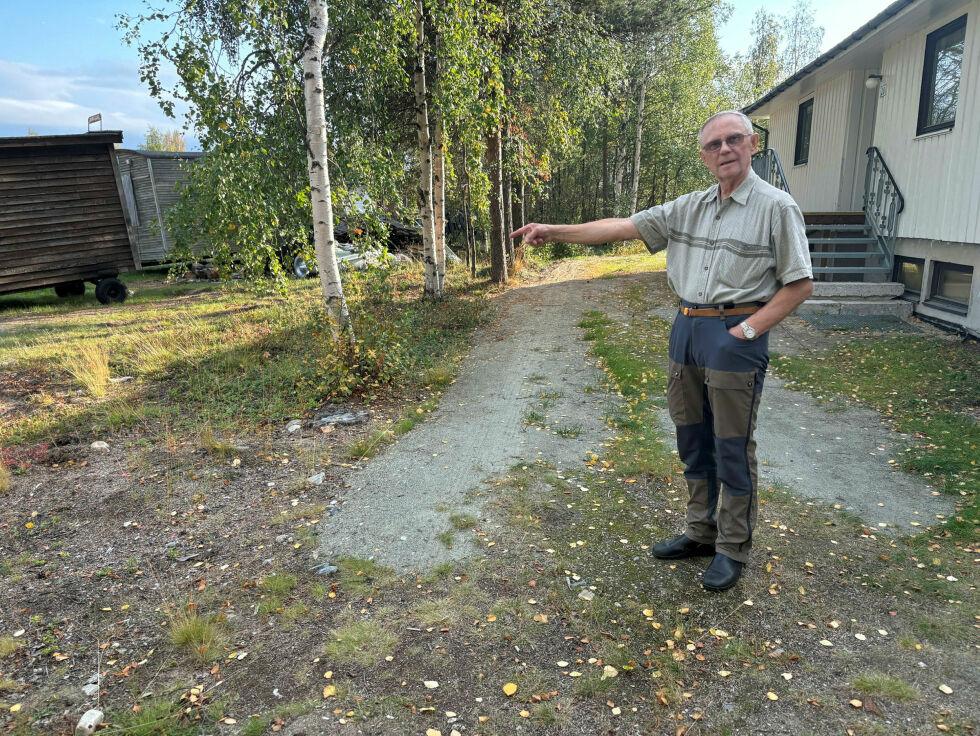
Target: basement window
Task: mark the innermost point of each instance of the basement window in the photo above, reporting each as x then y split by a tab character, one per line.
951	286
941	77
909	272
804	121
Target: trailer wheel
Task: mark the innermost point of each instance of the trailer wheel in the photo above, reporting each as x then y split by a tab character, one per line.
70	288
110	290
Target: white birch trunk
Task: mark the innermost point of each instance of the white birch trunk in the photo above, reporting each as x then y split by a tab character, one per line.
316	141
639	140
432	285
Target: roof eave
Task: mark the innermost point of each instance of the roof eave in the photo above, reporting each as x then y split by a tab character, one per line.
872	25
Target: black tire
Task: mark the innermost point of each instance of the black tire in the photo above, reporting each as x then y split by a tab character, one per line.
70	288
108	291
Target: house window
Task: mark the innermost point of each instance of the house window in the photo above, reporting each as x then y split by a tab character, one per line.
951	285
804	121
941	77
909	271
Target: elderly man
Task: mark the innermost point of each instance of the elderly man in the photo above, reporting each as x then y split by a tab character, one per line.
737	257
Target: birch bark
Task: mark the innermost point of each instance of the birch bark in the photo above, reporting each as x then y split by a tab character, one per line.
324	244
432	286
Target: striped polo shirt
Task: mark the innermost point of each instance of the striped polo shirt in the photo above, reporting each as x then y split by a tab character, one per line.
740	250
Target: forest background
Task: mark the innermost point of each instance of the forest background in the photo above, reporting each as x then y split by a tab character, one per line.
468	116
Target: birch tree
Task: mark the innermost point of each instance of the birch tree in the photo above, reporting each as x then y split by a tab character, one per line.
324	245
425	197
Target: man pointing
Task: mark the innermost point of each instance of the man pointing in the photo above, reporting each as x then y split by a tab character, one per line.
737	256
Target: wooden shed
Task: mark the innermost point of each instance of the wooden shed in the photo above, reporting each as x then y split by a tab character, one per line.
151	184
61	215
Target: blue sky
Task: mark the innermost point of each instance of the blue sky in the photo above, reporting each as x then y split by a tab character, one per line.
63	60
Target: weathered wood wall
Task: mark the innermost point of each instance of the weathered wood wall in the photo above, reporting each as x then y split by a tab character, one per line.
151	185
61	218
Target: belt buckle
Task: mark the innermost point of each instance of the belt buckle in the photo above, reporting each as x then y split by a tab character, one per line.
721	311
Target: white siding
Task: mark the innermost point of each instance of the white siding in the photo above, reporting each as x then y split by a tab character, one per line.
825	183
937	174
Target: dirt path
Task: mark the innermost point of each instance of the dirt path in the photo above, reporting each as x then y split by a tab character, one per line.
531	360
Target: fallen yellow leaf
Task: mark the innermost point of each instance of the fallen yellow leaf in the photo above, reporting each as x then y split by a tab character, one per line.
15	708
946	689
329	691
509	689
525	714
772	696
857	703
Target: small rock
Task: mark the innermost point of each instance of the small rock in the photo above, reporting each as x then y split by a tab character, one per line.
317	479
282	538
100	446
344	418
294	426
89	721
91	690
325	569
121	379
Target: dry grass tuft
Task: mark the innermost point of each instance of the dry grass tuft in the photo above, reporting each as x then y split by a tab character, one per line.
89	365
4	478
200	637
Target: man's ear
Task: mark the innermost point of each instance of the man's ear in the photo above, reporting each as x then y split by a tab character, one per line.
755	141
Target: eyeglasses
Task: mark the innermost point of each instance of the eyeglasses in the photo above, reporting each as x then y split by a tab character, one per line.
732	141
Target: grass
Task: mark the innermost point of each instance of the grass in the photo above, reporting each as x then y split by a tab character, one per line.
200	637
360	642
228	359
8	645
279	584
88	363
462	521
879	683
4	478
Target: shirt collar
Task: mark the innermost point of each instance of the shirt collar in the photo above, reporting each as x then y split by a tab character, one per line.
741	193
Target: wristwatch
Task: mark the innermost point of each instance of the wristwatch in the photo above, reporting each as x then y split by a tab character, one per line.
748	330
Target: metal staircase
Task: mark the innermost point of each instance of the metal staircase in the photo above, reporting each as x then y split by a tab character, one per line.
852	252
849	246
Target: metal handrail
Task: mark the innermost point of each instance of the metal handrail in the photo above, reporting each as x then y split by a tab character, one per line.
766	165
883	202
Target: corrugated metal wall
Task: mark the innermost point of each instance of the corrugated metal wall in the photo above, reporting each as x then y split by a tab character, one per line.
817	186
936	173
60	216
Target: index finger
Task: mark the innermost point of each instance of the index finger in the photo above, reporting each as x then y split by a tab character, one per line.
522	230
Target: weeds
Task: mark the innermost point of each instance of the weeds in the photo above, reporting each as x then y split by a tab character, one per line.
4	478
89	365
199	637
360	642
878	683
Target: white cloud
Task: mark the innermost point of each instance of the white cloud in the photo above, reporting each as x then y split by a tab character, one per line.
60	100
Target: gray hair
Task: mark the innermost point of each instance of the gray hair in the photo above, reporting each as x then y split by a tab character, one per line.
736	113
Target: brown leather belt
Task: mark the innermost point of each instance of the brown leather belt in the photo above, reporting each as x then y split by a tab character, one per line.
722	311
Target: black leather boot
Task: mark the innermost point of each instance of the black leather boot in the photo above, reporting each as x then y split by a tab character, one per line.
680	547
722	573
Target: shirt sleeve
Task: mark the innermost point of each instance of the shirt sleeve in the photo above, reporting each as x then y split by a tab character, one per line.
652	225
788	232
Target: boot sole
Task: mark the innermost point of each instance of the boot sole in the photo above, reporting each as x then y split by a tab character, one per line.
686	555
721	589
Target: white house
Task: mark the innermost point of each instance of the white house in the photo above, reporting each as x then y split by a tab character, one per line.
879	143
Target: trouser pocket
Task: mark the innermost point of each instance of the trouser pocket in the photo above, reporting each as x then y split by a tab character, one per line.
685	394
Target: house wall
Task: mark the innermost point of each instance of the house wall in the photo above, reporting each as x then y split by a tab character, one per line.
936	172
826	182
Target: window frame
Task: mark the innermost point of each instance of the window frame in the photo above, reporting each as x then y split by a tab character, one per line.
926	88
910	294
937	300
797	160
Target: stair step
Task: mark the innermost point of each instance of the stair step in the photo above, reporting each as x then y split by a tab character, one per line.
857	289
897	307
858	254
843	241
835	227
852	269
